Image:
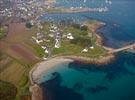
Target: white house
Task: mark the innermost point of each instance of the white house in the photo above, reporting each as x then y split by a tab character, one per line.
46	51
69	36
85	50
43	47
91	47
44	58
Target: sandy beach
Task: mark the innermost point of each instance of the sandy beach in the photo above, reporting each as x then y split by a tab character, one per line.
44	66
38	70
41	68
51	63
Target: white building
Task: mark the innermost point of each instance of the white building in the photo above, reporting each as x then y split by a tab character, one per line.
85	50
70	36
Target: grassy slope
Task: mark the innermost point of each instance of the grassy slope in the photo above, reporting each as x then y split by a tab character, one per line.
68	48
17	73
7	91
14	66
2	32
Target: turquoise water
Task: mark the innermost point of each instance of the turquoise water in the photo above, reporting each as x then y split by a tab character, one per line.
76	81
114	81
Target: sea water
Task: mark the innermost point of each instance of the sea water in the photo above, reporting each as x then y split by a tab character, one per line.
76	81
114	81
120	19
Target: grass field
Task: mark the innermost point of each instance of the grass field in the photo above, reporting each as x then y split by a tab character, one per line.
13	72
18	52
85	37
7	91
70	49
17	56
2	32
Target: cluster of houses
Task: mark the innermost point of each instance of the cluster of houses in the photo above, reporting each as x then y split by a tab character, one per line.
26	9
56	34
39	39
6	12
5	8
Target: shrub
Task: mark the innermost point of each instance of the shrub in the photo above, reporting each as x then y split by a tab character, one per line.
83	41
7	91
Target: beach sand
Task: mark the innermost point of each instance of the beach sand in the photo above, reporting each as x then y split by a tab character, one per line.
44	66
39	70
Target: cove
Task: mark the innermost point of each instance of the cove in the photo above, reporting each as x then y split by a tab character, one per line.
76	81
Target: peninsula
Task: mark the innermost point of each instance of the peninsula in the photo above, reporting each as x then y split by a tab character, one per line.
30	46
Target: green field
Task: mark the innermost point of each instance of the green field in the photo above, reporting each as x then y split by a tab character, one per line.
2	32
15	73
83	38
7	91
16	56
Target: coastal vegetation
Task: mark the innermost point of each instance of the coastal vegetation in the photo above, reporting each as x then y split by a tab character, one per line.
83	38
14	72
2	32
17	56
23	52
28	40
7	91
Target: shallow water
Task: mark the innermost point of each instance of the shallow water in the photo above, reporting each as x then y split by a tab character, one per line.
75	81
114	81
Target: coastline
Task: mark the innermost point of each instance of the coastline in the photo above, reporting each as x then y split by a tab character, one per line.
44	66
47	65
39	69
72	10
99	40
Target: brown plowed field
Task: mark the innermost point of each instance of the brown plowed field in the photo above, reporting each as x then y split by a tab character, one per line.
15	44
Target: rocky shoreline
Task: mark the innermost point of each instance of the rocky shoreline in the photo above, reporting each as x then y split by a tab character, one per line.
38	70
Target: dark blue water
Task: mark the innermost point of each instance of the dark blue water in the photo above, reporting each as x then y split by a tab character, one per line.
120	20
75	81
114	81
